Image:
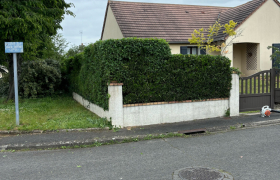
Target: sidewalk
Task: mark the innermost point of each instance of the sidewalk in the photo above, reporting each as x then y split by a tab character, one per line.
58	139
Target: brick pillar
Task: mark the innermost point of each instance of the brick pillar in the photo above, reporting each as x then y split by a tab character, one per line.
116	103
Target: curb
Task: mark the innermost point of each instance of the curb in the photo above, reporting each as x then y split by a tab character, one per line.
73	143
52	131
59	144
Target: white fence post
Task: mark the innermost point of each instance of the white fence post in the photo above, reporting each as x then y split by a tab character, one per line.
234	96
116	104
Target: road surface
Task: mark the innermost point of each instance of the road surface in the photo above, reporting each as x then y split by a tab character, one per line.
246	154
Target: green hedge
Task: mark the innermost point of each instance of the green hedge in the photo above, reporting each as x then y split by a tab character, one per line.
150	73
70	72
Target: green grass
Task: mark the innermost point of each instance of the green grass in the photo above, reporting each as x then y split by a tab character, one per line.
257	111
48	114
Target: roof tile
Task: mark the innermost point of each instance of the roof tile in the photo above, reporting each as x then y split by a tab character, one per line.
168	21
174	22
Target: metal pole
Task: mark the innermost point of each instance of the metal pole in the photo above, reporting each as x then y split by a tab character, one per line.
16	87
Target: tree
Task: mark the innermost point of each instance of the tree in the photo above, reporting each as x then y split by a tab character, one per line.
75	50
53	48
207	42
29	22
275	56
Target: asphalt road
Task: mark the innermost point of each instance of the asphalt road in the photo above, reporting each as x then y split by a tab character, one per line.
249	154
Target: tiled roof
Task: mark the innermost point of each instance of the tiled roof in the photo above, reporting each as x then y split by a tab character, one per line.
174	22
238	14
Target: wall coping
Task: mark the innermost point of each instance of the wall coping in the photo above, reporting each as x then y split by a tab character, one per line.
173	102
116	84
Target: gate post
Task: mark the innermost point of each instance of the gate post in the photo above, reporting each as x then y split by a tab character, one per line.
234	96
272	87
116	103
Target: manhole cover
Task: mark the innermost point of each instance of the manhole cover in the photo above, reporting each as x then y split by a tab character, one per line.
200	173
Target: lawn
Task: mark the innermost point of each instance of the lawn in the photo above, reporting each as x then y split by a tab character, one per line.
48	114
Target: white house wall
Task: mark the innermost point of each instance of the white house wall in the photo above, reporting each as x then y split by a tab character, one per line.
261	27
175	48
111	28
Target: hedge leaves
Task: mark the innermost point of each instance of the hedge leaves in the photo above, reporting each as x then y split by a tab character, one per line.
149	73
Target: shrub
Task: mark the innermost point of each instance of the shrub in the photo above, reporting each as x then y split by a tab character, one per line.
39	78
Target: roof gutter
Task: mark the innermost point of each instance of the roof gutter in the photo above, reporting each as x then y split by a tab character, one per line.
178	42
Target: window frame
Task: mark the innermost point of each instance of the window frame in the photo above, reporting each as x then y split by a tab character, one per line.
191	48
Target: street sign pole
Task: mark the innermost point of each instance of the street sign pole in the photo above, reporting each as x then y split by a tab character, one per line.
15	47
16	87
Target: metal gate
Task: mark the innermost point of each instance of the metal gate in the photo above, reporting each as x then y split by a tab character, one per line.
257	90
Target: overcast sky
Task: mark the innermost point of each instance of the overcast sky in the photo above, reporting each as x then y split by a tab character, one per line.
90	16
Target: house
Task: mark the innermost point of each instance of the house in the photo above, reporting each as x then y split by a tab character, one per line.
259	21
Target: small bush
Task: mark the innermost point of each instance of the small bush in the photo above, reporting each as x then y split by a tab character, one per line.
39	78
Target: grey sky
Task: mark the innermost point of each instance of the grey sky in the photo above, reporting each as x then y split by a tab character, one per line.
90	16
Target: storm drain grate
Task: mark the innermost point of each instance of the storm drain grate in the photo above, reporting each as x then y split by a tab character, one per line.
200	173
193	131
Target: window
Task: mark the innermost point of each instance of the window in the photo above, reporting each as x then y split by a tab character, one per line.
252	60
189	50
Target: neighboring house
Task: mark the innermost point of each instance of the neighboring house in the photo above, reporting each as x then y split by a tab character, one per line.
259	21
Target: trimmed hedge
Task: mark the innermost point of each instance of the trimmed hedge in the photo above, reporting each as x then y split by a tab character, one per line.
150	73
70	72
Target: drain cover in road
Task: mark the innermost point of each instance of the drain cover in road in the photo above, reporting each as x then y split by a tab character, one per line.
200	173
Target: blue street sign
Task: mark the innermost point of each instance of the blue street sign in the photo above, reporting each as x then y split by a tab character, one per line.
13	47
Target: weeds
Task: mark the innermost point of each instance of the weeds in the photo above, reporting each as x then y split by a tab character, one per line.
227	112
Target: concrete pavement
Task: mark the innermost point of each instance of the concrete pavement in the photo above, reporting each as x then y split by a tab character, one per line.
58	139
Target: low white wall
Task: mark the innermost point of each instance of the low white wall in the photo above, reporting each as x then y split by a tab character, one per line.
170	113
92	107
162	112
